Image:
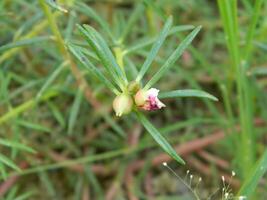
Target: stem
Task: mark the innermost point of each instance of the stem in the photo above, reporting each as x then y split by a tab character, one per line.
119	58
228	11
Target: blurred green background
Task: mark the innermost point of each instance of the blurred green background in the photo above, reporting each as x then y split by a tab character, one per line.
60	138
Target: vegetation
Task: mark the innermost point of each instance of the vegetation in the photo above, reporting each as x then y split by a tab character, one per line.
96	95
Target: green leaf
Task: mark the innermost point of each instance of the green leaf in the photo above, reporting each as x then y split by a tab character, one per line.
155	48
57	114
75	110
88	11
137	13
104	53
3	171
187	93
254	176
24	106
34	126
172	59
84	50
26	195
88	65
159	138
54	5
51	79
142	43
259	71
25	42
16	145
9	162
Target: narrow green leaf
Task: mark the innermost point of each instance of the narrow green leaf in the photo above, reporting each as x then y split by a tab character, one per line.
85	51
133	18
56	6
104	53
142	43
94	182
16	145
51	79
261	45
259	71
24	106
11	195
25	196
74	111
88	65
48	184
254	176
88	11
251	30
34	126
114	125
173	57
159	138
25	42
57	114
70	26
3	171
109	56
155	48
9	162
187	93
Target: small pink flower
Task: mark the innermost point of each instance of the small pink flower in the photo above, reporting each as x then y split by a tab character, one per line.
148	99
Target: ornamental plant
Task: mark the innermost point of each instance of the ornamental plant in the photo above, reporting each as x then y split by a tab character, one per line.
135	96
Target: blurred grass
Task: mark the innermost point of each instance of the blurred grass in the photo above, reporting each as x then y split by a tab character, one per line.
49	103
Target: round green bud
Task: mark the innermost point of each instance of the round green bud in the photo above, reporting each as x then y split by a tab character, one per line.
122	104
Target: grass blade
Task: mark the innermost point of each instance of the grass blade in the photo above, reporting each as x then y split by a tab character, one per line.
51	79
174	56
24	106
25	42
34	126
159	138
134	17
155	48
252	180
16	145
144	42
25	196
9	162
74	111
187	93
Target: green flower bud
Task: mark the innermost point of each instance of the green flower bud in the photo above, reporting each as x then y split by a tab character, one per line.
122	104
133	87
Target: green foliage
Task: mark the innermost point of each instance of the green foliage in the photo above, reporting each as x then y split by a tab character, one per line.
159	138
254	176
63	62
187	93
154	50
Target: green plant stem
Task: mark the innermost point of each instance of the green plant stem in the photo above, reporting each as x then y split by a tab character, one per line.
119	58
228	11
